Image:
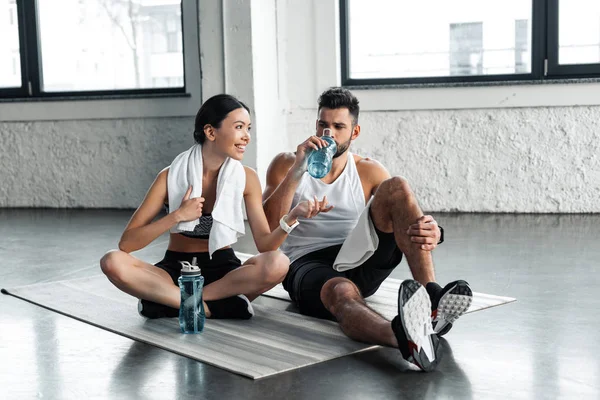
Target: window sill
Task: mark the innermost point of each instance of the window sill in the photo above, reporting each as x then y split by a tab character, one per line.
155	105
479	95
94	97
474	84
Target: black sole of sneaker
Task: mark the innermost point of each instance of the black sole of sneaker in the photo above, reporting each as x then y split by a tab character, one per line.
234	307
151	310
453	304
414	310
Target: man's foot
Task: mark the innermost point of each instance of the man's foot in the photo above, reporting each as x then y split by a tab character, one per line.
412	326
235	307
448	304
152	310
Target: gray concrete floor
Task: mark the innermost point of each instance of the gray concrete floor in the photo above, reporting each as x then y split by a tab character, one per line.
544	346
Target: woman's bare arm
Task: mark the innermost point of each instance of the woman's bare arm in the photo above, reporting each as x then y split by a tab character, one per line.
265	239
141	231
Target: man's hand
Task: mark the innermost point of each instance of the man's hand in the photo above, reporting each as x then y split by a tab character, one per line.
425	233
304	148
309	209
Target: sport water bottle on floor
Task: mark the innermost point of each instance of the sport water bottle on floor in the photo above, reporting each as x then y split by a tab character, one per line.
319	161
191	310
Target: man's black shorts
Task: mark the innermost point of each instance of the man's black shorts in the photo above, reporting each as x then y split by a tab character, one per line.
308	274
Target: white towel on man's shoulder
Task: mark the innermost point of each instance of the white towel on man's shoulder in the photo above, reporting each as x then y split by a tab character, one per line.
360	244
227	214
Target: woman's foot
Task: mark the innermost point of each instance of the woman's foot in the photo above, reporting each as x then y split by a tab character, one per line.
152	310
234	307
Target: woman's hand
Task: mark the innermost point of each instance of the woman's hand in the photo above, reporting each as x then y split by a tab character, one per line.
309	209
190	209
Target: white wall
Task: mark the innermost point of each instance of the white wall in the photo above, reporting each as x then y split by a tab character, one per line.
531	148
498	149
89	163
243	54
270	82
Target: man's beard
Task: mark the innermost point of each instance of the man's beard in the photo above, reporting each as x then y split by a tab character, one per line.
342	148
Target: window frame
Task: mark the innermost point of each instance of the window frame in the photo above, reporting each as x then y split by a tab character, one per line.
544	56
32	74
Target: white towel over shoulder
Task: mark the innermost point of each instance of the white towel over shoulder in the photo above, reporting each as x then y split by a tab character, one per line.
227	214
360	244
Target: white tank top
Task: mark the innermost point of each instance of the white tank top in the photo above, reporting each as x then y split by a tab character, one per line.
331	228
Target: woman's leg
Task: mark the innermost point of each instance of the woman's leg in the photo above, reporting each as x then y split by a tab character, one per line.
257	275
140	279
146	281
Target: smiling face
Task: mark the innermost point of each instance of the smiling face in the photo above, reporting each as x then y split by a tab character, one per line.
231	138
340	121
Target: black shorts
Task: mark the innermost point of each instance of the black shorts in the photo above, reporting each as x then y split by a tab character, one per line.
223	261
308	274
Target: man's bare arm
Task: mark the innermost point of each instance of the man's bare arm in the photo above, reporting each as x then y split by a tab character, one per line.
372	173
282	181
283	177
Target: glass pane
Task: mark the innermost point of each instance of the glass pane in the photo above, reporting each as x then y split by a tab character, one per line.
10	57
111	44
579	32
411	38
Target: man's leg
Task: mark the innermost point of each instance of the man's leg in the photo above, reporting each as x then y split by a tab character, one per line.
410	331
322	292
393	209
343	300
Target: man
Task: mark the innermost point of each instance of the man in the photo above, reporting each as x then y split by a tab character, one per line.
342	255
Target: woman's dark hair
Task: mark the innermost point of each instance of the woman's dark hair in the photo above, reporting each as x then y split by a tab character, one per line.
213	112
337	97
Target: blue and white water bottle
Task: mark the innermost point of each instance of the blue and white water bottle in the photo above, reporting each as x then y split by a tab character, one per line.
191	310
319	161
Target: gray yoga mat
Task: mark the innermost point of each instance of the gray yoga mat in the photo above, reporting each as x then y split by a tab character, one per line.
385	300
270	343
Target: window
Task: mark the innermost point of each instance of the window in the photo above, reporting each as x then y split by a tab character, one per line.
91	47
410	41
579	32
10	66
522	54
15	65
173	42
466	49
574	38
12	12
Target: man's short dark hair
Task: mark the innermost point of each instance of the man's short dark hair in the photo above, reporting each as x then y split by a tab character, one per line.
337	97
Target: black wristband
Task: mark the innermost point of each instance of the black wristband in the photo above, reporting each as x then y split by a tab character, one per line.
441	235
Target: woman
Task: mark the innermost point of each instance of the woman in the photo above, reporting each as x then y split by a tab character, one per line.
222	131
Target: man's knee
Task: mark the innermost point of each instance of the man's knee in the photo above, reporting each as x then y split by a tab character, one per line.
392	196
395	189
337	292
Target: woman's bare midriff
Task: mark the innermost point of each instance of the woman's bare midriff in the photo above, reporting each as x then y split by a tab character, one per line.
185	244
